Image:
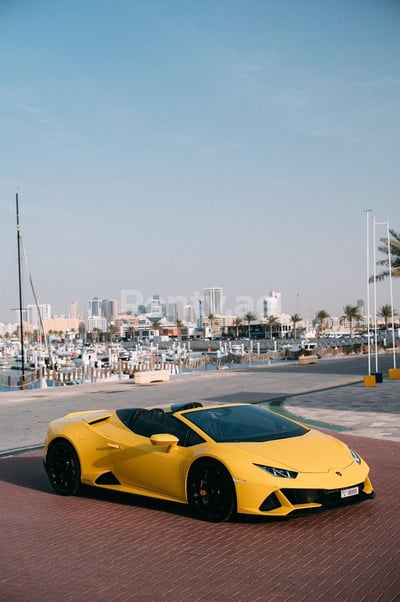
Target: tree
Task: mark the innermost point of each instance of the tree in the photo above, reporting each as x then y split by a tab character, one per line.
156	325
179	325
82	331
295	319
249	317
271	321
321	316
113	330
211	317
352	313
394	256
130	332
386	313
237	322
96	332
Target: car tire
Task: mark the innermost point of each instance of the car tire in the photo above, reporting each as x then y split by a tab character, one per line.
63	468
211	491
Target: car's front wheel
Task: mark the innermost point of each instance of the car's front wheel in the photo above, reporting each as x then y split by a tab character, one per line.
63	468
211	491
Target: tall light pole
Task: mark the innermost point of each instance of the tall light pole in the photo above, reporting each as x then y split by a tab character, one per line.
367	212
375	302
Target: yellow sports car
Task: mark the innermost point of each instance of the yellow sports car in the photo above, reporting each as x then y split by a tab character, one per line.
220	459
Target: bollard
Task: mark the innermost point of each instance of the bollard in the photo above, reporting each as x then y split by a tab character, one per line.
378	376
369	381
394	373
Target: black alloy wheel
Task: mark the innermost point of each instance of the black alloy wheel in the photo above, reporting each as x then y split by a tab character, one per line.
63	468
211	491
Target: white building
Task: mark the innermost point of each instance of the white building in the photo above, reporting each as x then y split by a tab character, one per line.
96	322
73	310
32	314
189	315
273	305
213	301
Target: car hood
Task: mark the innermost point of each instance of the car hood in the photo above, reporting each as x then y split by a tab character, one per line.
311	452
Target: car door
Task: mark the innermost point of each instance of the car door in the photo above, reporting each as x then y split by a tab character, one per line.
152	468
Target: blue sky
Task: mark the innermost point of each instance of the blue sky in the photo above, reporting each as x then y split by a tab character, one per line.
167	146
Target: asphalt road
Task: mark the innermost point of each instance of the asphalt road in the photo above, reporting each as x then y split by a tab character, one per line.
25	414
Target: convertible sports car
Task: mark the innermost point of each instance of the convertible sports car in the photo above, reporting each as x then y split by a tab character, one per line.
220	459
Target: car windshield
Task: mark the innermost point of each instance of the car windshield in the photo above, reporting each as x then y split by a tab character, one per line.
244	424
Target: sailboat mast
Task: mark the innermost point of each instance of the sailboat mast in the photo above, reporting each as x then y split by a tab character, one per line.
21	321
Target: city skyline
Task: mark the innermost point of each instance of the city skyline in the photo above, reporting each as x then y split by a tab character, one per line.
165	147
210	302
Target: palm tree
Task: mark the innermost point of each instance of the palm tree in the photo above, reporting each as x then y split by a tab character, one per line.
271	321
237	322
321	316
82	331
113	330
352	313
96	332
156	325
394	256
130	332
211	317
295	318
249	317
386	313
179	325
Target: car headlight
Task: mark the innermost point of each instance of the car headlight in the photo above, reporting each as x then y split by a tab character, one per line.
356	457
278	472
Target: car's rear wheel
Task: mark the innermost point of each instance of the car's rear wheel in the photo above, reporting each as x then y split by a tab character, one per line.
63	468
211	491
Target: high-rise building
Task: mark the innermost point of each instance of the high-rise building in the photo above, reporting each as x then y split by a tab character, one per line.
213	301
171	312
32	314
110	309
154	307
273	304
95	307
189	315
97	322
73	310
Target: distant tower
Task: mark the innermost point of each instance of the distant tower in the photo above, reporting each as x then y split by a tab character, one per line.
189	314
95	306
273	304
212	301
73	309
200	313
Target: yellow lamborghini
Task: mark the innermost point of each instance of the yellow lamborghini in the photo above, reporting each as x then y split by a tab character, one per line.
220	459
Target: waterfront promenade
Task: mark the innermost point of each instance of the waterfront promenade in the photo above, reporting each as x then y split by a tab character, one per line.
329	393
104	546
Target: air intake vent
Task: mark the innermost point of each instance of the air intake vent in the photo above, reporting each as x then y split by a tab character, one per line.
270	503
107	478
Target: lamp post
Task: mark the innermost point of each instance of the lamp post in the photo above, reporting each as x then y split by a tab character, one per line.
367	212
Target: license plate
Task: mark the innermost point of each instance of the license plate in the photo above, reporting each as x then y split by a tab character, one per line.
349	492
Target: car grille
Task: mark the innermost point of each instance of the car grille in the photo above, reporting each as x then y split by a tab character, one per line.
325	497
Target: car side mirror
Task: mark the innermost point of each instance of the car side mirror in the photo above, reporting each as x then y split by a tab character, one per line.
164	440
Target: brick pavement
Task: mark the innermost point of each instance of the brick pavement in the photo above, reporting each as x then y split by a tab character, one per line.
104	546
